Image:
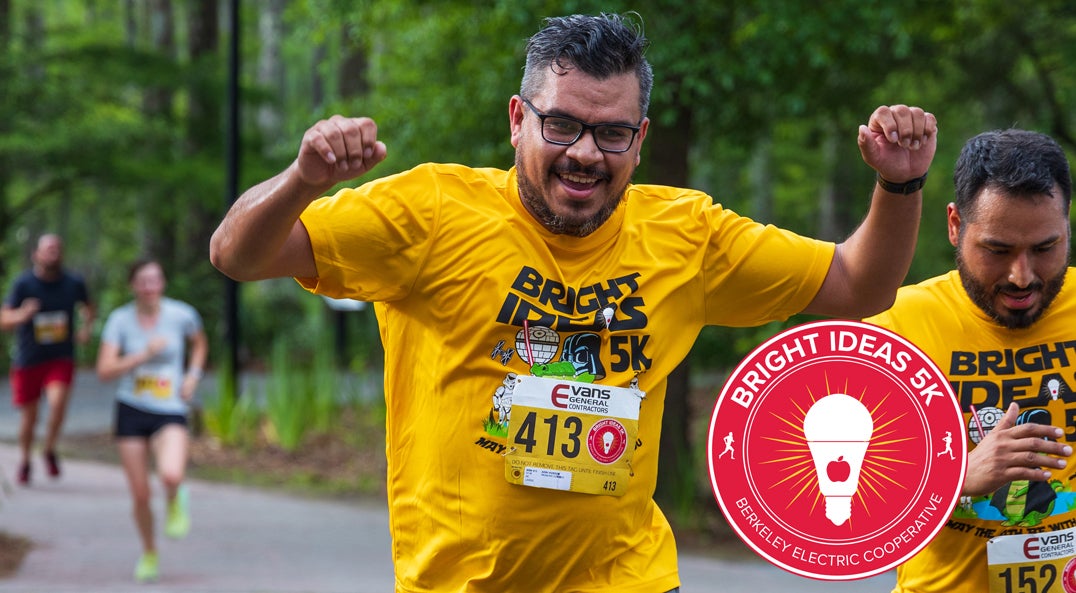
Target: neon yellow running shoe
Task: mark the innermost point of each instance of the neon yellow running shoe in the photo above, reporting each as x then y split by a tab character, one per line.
179	518
146	570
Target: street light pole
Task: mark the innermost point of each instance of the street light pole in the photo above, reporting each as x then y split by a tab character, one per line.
230	382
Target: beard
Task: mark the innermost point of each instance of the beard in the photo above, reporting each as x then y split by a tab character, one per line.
985	297
530	193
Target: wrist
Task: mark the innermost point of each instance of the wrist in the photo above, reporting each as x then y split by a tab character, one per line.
908	187
195	373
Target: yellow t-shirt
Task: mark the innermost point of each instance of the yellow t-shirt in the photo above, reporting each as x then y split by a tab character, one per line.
989	367
456	264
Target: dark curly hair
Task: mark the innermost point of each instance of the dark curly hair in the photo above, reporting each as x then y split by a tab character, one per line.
1018	162
599	46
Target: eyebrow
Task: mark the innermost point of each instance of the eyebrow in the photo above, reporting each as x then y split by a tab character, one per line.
1044	243
556	112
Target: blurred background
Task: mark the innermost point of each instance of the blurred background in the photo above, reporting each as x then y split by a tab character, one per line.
129	126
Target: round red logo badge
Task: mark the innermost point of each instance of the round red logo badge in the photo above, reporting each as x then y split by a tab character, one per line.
607	440
836	450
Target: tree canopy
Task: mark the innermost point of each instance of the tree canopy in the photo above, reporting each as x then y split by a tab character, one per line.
112	119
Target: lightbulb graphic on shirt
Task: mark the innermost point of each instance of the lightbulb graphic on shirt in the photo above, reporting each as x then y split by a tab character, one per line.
607	442
838	429
1054	386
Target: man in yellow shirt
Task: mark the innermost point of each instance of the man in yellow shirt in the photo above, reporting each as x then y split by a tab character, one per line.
1002	326
531	316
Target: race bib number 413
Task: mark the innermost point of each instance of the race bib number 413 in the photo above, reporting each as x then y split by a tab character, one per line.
837	450
567	435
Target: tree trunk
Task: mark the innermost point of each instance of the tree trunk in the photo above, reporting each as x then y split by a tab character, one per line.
7	104
271	67
203	133
760	173
160	239
668	164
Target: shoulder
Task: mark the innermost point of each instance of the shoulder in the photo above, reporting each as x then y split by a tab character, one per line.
936	298
656	195
123	314
664	204
931	292
432	175
176	305
25	278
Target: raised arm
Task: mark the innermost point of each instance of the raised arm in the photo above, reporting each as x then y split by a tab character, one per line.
898	142
261	236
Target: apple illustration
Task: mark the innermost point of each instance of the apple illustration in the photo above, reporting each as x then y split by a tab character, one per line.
838	471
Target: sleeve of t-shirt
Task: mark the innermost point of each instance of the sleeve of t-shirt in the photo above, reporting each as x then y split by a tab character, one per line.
14	294
83	292
369	242
759	273
192	321
110	334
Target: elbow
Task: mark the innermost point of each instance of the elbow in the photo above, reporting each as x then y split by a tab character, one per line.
219	257
103	375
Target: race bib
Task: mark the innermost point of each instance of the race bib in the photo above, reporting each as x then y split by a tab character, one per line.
153	381
1033	563
51	327
566	435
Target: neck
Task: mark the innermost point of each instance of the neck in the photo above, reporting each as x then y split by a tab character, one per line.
47	273
148	308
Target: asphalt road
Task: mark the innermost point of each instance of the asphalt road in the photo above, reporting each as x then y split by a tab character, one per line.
244	540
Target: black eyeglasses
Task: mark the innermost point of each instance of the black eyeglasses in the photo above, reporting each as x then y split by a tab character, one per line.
565	131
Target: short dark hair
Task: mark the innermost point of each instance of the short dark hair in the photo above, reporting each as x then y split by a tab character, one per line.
600	46
137	265
1020	163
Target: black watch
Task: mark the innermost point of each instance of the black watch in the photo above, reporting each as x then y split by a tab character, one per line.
908	187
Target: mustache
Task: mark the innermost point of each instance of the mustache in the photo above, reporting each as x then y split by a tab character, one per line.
574	168
1010	287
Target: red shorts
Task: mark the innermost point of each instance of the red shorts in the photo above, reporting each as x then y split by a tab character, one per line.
27	383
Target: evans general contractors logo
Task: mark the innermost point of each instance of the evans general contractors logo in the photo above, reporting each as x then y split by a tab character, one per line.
837	450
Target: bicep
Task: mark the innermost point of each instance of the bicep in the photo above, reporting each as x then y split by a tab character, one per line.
107	355
296	256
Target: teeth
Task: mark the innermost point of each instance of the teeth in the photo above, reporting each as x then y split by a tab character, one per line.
578	179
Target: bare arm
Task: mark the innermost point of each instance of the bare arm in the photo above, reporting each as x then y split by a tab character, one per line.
112	365
1010	452
13	317
261	235
87	314
199	350
867	268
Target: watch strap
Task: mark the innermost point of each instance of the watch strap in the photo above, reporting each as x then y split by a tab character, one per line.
908	187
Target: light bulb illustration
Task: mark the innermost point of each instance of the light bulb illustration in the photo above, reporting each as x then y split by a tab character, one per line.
607	441
838	429
1054	386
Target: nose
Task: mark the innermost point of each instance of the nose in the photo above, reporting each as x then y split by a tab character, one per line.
1021	273
585	150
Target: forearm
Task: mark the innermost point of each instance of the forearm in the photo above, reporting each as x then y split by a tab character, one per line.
9	319
251	241
113	366
873	262
199	351
880	252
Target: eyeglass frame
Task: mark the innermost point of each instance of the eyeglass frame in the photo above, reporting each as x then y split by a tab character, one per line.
584	127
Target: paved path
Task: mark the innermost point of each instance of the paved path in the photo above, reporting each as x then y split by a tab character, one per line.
244	540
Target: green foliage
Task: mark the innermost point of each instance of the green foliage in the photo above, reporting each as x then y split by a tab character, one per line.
234	421
299	401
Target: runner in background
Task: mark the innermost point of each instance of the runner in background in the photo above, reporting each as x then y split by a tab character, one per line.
157	349
41	309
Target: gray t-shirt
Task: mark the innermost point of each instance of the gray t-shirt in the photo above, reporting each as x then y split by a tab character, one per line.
154	386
